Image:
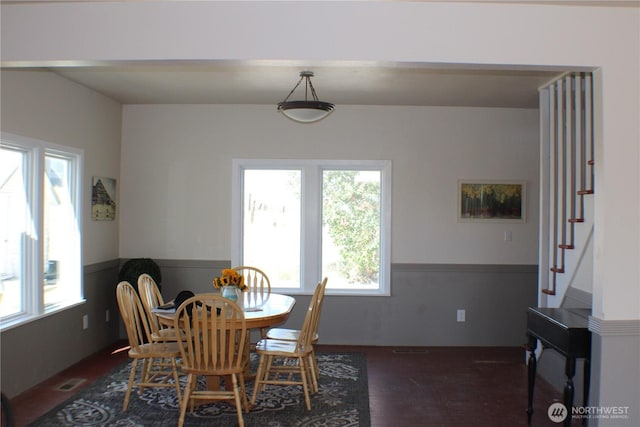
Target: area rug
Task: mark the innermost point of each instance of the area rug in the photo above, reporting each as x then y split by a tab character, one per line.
342	400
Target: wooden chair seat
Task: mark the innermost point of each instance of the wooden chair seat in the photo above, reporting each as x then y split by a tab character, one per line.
281	348
287	334
166	334
160	349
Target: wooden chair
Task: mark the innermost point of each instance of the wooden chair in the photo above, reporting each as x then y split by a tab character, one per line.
154	355
293	334
301	351
259	286
151	298
256	279
214	344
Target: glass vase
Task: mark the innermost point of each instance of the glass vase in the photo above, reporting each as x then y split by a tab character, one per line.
230	293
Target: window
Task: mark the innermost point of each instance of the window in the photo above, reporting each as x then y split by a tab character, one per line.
40	228
302	220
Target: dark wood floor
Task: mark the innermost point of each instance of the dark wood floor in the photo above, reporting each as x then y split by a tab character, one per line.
430	386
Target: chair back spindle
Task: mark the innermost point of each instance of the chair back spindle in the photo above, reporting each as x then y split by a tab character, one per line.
151	298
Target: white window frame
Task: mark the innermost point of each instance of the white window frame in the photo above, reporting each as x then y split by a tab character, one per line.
311	224
33	255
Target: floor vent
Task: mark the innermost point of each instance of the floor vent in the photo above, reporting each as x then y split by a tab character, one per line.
70	384
409	351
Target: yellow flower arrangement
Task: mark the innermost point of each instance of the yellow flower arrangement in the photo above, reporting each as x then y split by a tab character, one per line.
230	278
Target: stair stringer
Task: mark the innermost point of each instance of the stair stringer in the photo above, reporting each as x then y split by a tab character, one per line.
578	262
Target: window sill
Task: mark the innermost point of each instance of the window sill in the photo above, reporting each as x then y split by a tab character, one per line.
20	320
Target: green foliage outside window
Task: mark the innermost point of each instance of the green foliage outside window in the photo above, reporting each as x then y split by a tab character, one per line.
352	214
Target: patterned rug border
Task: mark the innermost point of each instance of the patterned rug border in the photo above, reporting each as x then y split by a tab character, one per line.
343	400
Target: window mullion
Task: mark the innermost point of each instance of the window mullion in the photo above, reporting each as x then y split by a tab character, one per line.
38	264
76	181
237	211
385	231
32	240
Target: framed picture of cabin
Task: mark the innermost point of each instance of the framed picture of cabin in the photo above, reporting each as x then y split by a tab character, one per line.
103	199
491	201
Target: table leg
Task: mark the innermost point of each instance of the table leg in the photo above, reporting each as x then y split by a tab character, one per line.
214	382
248	375
570	371
531	370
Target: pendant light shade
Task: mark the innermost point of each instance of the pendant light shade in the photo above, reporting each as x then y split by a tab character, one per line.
309	110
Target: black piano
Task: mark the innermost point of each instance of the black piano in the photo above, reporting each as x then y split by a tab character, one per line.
566	331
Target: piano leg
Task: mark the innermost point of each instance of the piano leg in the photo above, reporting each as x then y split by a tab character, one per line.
570	371
585	390
531	371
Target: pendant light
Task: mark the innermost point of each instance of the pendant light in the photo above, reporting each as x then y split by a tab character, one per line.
309	110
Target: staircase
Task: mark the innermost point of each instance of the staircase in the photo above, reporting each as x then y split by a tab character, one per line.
567	186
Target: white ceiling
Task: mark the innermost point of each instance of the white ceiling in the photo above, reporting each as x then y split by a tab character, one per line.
343	83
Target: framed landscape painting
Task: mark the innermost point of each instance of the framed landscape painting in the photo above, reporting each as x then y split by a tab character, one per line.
497	201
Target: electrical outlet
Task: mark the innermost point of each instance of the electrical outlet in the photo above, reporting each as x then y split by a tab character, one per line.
507	236
461	315
85	321
106	316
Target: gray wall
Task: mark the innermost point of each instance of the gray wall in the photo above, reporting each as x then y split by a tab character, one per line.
37	350
421	310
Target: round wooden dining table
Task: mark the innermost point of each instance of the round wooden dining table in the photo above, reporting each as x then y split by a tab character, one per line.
260	310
